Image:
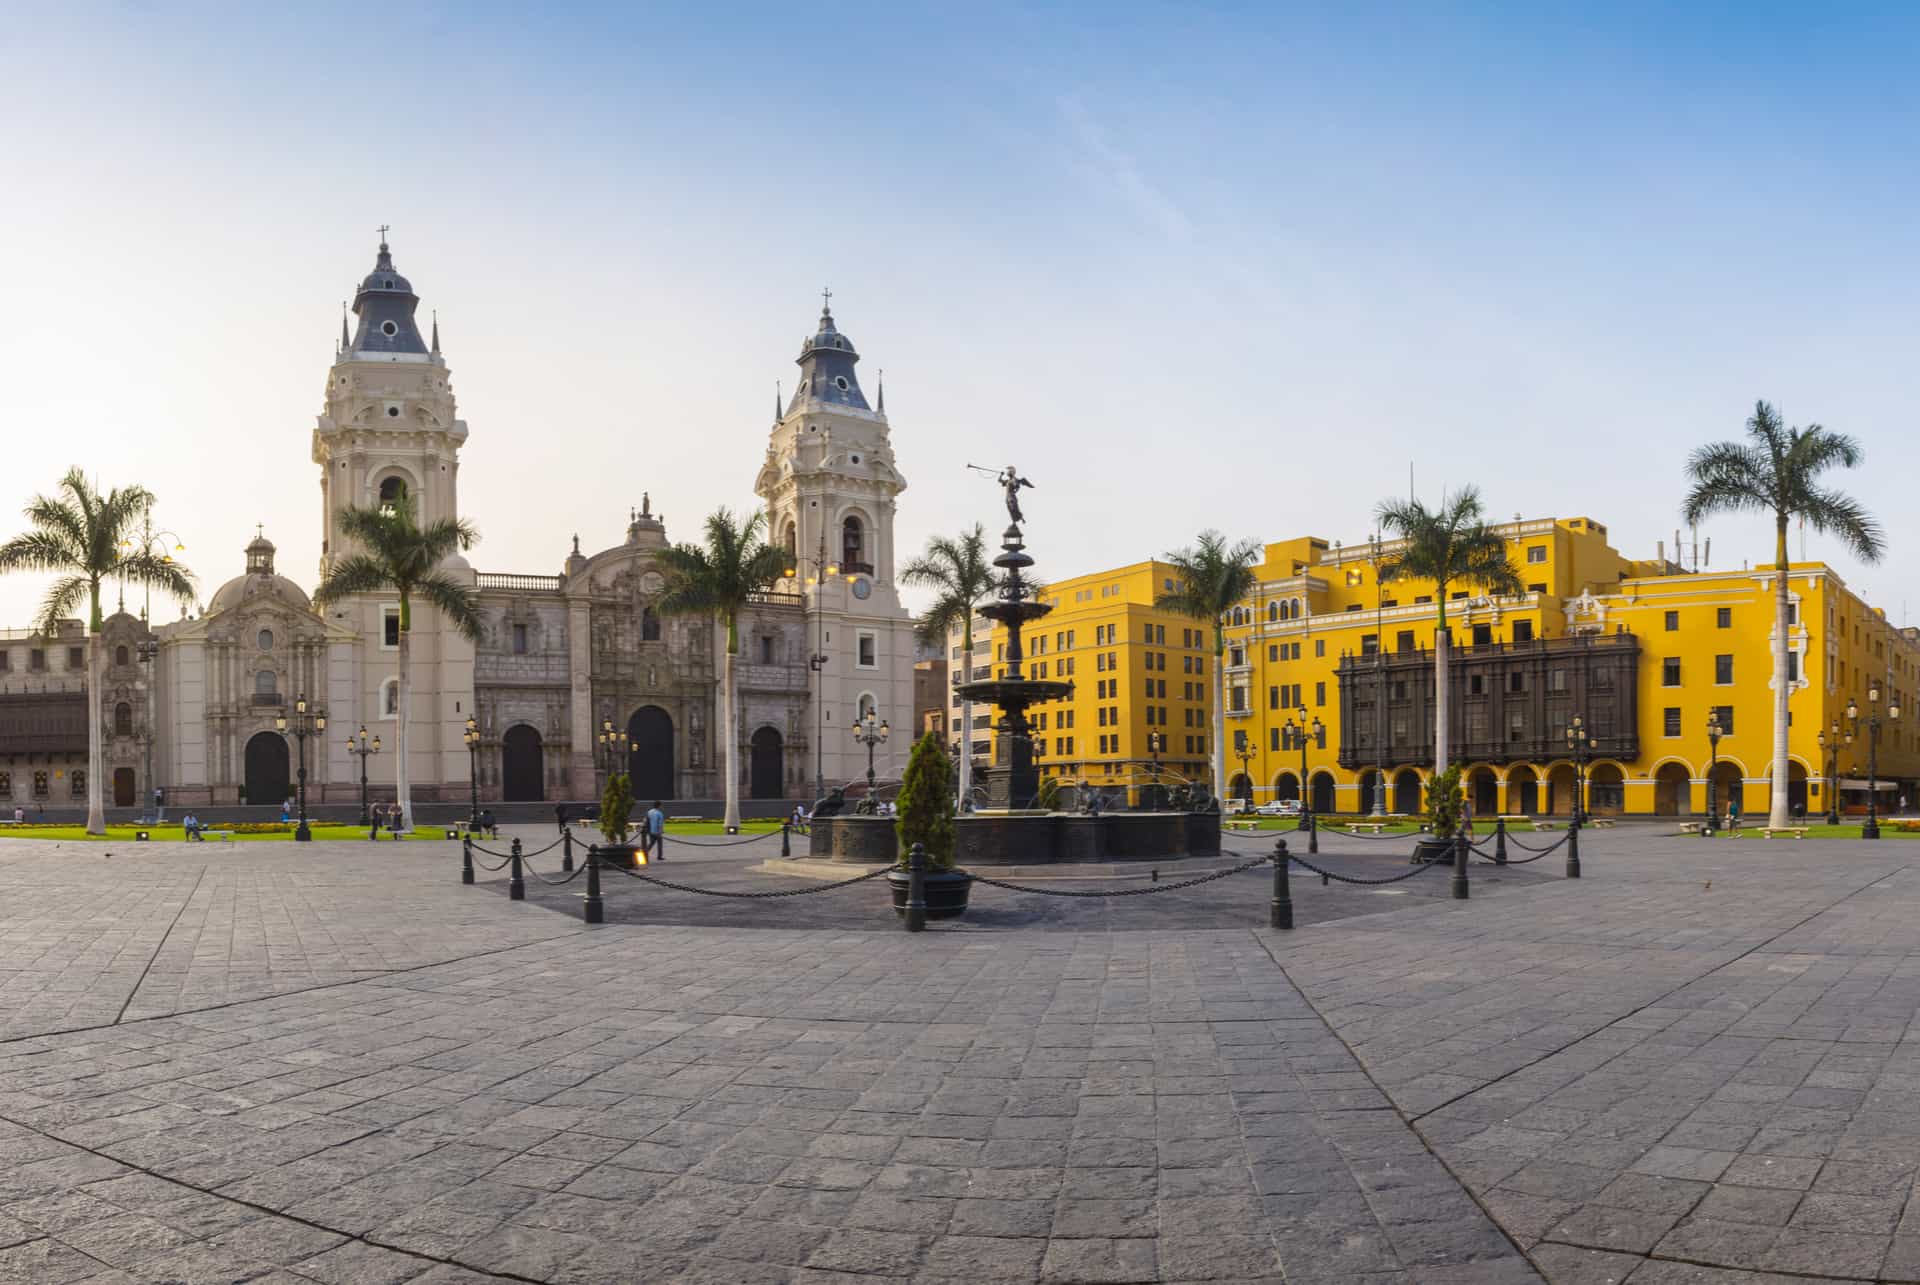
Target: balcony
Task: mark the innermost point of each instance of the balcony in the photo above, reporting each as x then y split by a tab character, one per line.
273	700
515	581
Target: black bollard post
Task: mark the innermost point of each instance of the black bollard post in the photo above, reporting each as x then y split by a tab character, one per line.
1313	834
1459	866
591	910
466	860
1500	841
917	888
1280	912
1573	849
566	852
517	886
786	839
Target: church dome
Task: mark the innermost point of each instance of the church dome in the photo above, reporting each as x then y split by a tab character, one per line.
826	361
385	305
259	581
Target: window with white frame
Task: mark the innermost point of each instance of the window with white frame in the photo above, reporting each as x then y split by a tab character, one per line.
390	627
867	650
390	698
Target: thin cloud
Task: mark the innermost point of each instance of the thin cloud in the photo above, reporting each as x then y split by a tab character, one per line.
1121	172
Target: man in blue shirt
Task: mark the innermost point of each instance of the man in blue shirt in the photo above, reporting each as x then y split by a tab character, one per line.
656	824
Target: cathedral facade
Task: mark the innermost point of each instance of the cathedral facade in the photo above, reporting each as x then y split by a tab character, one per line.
576	670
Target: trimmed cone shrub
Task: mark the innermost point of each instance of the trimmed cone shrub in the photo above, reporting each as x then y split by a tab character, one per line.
925	804
616	809
1444	800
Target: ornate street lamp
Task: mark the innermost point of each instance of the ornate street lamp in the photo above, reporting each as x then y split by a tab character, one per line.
1298	734
302	725
823	569
613	745
1830	743
1244	751
1871	829
358	744
472	737
869	732
1579	746
147	649
1713	764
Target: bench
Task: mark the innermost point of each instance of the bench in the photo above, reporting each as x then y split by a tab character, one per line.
1690	827
1797	831
1546	825
1597	823
1370	827
1242	825
225	836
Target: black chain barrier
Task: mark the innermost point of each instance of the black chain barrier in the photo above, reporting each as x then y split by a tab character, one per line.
753	896
1119	892
502	865
1411	874
1354	834
555	883
725	843
1538	853
1526	847
523	856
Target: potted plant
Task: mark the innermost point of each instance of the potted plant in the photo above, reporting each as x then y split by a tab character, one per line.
1445	798
925	816
616	811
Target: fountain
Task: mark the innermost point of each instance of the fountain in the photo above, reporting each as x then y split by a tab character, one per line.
1009	830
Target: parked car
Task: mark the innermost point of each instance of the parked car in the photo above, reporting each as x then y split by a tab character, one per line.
1280	808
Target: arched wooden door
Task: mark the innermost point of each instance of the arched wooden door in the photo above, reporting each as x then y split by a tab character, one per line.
522	765
269	780
767	772
1323	796
123	787
650	760
1406	792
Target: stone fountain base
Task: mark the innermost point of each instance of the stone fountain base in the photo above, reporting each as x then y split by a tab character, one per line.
1046	838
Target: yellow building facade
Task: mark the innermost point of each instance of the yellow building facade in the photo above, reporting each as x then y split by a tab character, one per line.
1136	671
1641	651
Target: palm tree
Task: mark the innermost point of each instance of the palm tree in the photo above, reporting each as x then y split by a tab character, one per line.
400	556
960	575
86	538
721	578
1777	471
1209	579
1450	545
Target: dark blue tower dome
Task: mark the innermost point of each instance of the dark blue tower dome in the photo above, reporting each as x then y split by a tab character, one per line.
385	305
826	364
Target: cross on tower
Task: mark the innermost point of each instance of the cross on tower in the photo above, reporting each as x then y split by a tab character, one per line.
826	300
383	233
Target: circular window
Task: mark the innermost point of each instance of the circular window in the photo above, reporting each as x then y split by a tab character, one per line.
388	328
856	459
862	589
393	412
840	382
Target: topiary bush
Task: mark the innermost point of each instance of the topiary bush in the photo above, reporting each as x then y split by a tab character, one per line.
1444	801
616	809
925	803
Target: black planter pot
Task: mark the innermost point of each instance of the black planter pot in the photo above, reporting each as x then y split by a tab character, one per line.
626	855
1430	847
946	893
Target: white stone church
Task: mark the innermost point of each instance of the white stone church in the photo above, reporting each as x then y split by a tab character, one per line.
564	654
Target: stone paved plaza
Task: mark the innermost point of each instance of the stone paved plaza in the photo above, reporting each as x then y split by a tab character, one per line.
335	1063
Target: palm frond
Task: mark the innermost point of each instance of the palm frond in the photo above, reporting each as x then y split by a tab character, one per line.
453	600
169	577
1831	512
355	573
61	521
1210	577
41	550
64	597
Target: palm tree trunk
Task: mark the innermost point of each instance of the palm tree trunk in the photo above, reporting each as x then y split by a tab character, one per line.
729	741
1441	645
402	789
96	812
966	730
1777	812
1218	748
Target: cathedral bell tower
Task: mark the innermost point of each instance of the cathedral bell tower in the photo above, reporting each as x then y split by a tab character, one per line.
830	487
388	422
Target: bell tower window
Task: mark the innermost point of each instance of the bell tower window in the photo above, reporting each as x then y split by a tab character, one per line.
852	544
649	625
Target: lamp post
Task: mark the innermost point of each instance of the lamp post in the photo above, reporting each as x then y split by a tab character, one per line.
1713	766
1871	829
1830	742
1156	745
1244	751
823	570
146	649
160	545
304	723
1579	746
1298	734
472	737
613	743
357	744
869	732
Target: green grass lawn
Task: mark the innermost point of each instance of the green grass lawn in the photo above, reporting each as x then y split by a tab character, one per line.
176	834
1328	824
1821	831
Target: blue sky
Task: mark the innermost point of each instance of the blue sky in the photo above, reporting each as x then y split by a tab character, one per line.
1234	266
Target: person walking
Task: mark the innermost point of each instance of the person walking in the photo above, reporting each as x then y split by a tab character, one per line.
656	828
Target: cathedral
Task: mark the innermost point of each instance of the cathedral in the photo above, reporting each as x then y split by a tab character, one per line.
576	669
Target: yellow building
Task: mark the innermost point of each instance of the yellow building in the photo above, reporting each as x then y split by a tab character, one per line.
1641	651
1135	671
